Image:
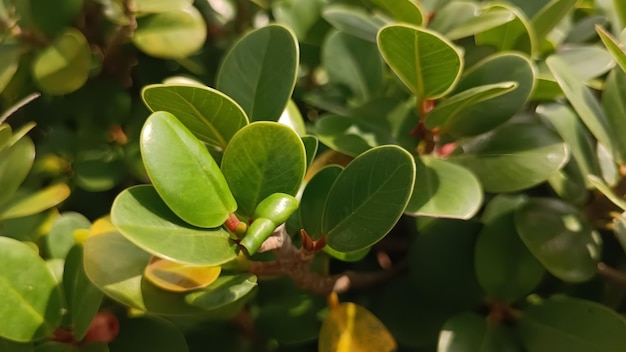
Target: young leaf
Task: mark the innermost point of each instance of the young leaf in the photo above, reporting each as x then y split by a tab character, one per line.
444	189
368	198
64	66
31	303
350	327
426	62
200	194
259	71
514	156
83	298
37	202
557	235
615	48
140	214
570	324
263	158
209	114
171	35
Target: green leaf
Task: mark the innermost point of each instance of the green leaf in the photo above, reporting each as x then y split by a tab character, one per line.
482	22
149	333
9	61
83	298
200	194
569	324
64	66
31	302
402	10
368	198
347	256
292	118
425	61
263	158
352	20
171	35
354	63
619	228
583	101
550	15
10	346
485	115
225	291
444	189
36	202
455	14
505	268
15	164
615	48
314	198
579	141
513	157
209	114
157	6
451	108
299	15
558	236
514	35
60	239
614	105
87	346
65	13
259	71
570	184
341	134
471	332
140	214
599	184
586	61
311	144
442	263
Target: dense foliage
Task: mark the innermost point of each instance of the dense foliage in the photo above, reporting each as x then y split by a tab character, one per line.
301	175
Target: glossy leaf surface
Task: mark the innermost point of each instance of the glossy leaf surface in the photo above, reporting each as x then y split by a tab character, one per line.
255	166
31	307
614	106
514	157
402	10
558	236
209	114
15	164
259	72
427	63
615	48
571	324
352	20
514	35
225	291
200	195
444	189
471	332
172	34
177	277
141	215
314	199
368	198
36	202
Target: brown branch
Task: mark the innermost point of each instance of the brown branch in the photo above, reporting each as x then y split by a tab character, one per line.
296	264
612	274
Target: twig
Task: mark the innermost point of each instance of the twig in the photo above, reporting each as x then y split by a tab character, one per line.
612	274
296	264
18	106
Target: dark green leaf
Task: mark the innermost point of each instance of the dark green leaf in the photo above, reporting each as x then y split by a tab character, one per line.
368	198
471	332
83	298
559	237
513	35
263	158
145	219
259	72
15	164
149	333
314	198
172	34
31	302
614	105
341	134
444	189
550	15
569	324
225	291
615	48
200	195
425	61
402	10
210	115
505	269
311	145
352	20
514	156
65	12
299	15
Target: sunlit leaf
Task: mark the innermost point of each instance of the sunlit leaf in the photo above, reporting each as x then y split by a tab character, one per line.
177	277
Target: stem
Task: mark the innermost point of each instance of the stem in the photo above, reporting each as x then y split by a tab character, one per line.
296	264
612	274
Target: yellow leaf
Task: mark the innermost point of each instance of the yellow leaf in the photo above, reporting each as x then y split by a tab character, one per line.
352	328
177	277
101	226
